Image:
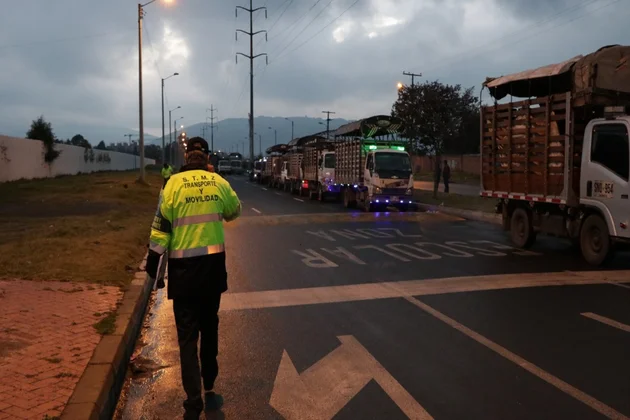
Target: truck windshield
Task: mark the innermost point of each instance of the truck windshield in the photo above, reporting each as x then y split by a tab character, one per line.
392	164
236	164
329	161
224	163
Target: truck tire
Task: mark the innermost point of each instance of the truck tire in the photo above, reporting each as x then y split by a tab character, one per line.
312	195
521	229
595	241
321	195
347	200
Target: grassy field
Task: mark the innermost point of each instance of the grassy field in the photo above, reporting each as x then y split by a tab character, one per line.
456	177
89	228
456	200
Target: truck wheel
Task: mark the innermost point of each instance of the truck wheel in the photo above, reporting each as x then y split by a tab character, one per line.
347	201
595	241
521	230
321	195
312	195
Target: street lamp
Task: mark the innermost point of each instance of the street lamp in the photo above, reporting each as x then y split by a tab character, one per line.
399	85
170	133
275	135
163	135
140	104
292	131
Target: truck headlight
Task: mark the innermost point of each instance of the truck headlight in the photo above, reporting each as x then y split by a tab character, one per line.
409	191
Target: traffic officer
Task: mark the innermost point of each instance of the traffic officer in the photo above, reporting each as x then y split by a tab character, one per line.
167	171
188	225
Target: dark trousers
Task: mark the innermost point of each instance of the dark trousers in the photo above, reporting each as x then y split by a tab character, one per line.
446	179
193	318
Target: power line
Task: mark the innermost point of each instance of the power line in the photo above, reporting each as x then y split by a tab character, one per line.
292	40
279	17
68	39
292	26
321	30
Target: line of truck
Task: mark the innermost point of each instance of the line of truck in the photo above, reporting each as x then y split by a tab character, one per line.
363	163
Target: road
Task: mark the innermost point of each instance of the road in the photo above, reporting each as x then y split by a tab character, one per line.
463	189
336	314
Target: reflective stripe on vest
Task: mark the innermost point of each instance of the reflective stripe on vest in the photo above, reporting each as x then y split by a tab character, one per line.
200	218
197	252
154	246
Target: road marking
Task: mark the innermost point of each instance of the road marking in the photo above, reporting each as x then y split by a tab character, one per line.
516	359
314	259
256	210
607	321
387	290
264	189
278	193
298	199
325	388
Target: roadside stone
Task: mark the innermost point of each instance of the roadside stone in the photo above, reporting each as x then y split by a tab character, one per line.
42	326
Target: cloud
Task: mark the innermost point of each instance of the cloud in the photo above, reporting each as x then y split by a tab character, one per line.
76	63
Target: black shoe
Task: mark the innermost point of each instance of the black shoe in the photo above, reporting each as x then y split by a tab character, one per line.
213	401
191	415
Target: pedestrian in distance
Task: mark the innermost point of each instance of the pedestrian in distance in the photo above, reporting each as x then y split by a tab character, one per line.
436	177
167	172
446	174
188	226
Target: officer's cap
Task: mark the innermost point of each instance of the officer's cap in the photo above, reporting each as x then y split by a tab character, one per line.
197	143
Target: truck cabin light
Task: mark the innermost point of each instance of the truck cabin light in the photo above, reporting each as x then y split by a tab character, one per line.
610	112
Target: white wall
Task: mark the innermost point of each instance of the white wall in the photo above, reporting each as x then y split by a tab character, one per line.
24	159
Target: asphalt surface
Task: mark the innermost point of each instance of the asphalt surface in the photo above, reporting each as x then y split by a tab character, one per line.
344	315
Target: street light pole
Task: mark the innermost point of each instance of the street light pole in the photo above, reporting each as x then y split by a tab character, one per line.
292	130
275	135
170	134
164	135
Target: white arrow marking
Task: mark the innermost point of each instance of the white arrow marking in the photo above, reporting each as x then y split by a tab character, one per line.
321	391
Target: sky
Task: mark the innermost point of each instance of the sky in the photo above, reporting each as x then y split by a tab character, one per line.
76	61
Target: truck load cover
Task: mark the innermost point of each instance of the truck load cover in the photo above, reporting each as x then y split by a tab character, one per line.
532	149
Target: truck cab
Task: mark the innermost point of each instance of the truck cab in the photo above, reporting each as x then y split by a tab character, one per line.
326	175
605	177
256	173
224	167
388	177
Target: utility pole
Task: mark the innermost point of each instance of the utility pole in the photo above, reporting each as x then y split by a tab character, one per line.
413	76
211	109
292	128
251	58
327	122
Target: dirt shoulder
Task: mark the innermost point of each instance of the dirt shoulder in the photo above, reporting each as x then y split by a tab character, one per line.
84	228
465	202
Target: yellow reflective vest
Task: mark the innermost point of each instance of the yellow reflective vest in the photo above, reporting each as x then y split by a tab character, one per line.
167	172
189	220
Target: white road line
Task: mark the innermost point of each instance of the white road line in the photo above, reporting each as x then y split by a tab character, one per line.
607	321
264	189
278	193
256	210
387	290
297	199
519	361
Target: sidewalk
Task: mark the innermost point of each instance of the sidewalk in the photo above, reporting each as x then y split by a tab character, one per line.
47	338
462	189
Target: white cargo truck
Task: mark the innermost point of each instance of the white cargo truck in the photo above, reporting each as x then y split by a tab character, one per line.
559	161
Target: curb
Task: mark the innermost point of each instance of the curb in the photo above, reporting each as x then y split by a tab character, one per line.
480	216
96	394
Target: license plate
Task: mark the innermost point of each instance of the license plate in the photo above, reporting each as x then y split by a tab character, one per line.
395	199
603	189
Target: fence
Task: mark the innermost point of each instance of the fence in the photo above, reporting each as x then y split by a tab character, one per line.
24	159
459	163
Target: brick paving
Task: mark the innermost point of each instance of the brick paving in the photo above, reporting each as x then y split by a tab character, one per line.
46	341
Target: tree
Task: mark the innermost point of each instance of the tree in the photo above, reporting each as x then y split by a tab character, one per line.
101	145
42	130
436	116
79	140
